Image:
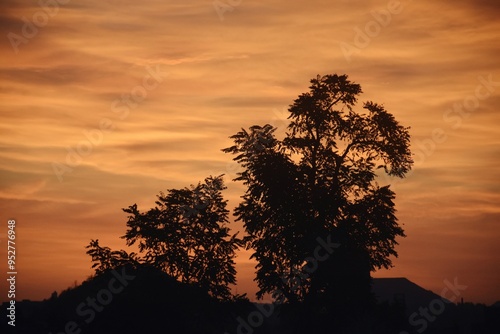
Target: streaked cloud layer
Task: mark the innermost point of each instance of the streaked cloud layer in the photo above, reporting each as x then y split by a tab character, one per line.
150	92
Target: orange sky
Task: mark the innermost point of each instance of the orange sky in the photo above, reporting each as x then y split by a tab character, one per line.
197	76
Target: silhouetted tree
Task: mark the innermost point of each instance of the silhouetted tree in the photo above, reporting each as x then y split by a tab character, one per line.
186	235
104	258
319	181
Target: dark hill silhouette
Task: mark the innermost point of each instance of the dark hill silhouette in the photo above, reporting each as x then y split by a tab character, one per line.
151	302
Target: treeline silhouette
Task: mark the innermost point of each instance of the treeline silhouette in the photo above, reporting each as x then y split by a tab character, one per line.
154	302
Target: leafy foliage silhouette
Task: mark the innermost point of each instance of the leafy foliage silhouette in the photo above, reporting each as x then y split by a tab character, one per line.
320	180
185	235
104	258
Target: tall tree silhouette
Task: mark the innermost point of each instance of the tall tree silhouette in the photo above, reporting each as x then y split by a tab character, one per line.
320	181
185	235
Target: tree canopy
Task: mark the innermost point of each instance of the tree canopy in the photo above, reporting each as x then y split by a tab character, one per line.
186	235
320	181
104	258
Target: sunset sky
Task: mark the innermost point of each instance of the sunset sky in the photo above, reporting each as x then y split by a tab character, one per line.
148	92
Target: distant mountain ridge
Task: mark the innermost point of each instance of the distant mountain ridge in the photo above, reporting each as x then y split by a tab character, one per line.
430	312
400	289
